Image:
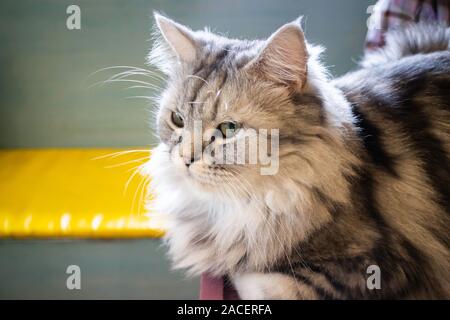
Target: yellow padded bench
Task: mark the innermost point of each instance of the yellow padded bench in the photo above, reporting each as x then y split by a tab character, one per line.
74	193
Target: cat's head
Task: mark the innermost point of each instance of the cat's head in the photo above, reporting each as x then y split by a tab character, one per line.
221	93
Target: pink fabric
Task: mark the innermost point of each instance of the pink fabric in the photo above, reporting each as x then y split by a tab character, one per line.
391	14
212	288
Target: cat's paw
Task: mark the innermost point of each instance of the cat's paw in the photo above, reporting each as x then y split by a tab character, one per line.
267	286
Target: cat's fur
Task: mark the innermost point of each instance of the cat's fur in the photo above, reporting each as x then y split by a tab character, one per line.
363	175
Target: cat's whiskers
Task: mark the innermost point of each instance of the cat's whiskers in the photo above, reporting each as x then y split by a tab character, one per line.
123	77
141	97
136	170
126	74
143	193
198	77
141	184
120	80
120	153
139	87
128	162
130	70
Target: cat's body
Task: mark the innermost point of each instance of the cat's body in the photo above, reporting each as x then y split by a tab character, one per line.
363	172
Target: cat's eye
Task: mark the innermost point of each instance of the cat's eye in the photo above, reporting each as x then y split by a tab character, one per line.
177	119
228	128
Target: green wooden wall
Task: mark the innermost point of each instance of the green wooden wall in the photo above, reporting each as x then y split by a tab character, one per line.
44	96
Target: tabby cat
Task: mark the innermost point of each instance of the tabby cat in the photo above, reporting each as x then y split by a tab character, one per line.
363	164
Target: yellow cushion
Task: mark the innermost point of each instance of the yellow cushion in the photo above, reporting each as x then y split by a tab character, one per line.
74	193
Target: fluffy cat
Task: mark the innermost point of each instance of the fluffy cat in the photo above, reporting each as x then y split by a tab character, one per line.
363	176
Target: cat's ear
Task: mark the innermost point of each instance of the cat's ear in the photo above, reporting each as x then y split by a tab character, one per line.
284	57
179	38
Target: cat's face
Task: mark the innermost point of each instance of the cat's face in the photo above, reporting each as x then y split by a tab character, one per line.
232	109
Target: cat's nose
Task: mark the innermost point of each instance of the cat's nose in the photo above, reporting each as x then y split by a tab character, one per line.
189	160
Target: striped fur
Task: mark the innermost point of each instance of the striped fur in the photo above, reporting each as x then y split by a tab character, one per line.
363	177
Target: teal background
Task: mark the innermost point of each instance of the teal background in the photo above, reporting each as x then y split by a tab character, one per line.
45	101
120	269
44	96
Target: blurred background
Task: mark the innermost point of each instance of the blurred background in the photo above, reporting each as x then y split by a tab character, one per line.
47	101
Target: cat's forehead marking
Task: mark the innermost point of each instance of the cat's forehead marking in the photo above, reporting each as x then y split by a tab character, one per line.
203	95
204	85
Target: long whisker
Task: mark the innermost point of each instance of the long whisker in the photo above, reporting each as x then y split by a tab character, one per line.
200	78
133	72
125	74
120	153
118	80
135	172
136	192
140	87
123	67
128	162
142	194
140	97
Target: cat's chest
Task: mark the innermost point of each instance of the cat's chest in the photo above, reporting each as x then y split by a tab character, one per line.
236	239
216	242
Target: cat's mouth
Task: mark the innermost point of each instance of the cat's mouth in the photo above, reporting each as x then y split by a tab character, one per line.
202	176
210	177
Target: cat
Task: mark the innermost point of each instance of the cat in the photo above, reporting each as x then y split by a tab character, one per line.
363	164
